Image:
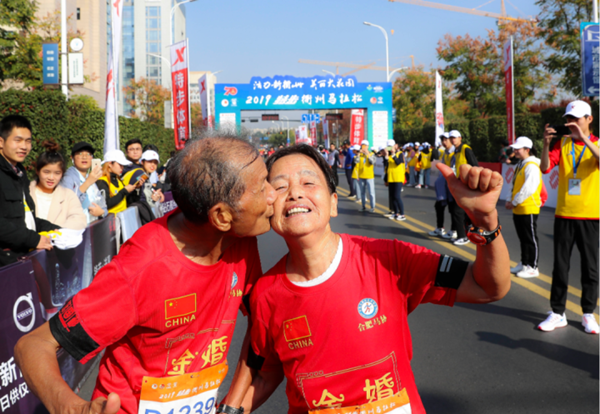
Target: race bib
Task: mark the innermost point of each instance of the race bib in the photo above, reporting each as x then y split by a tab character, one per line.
396	404
183	394
574	187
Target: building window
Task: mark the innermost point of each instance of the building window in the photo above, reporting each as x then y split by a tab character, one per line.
78	13
153	43
128	64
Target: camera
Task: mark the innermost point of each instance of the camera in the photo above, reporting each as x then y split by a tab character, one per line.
561	130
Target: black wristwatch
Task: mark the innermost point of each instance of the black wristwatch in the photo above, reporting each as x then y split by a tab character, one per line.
482	237
230	410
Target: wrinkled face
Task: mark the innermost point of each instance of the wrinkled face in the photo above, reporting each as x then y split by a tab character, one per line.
150	166
50	175
303	203
134	152
82	160
17	145
255	207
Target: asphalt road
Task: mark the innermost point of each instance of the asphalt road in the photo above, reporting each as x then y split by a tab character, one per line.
474	358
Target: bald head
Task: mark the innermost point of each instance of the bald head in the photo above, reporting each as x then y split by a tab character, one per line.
209	171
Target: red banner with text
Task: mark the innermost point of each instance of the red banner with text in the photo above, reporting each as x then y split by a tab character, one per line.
357	128
180	90
508	84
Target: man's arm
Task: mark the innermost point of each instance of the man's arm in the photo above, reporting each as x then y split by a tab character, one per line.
471	159
35	354
250	387
477	192
578	135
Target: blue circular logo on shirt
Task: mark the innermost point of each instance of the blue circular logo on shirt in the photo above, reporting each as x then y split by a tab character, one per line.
234	280
367	308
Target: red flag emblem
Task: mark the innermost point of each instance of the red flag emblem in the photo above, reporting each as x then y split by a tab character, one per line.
297	328
181	306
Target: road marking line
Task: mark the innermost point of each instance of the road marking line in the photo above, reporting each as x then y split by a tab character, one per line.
522	282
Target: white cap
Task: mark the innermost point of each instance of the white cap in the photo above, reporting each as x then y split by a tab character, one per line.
381	148
149	156
365	142
390	143
417	144
373	148
445	135
116	156
522	142
356	147
410	144
454	133
578	109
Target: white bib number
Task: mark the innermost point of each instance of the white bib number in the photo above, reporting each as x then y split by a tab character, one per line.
194	393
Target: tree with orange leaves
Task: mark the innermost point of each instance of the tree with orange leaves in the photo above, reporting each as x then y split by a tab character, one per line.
147	100
475	66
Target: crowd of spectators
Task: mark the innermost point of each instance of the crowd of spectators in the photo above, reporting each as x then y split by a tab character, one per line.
69	198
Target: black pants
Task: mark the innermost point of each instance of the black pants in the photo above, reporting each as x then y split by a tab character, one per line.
396	196
526	226
459	219
584	233
439	214
336	178
350	182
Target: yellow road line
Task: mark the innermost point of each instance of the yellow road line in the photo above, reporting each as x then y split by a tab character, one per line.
522	282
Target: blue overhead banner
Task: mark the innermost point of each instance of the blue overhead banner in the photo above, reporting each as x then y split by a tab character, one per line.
50	63
590	58
317	93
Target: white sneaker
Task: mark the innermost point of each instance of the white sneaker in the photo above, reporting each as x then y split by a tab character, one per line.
438	232
528	272
390	214
352	197
418	186
460	242
358	202
553	321
517	268
589	323
400	218
451	235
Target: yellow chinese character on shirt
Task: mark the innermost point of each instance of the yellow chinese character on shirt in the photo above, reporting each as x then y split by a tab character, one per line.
179	365
383	388
329	400
215	351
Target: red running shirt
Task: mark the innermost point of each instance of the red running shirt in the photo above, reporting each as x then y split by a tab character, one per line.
156	312
346	342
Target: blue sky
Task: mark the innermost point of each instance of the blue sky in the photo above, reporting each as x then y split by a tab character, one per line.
264	38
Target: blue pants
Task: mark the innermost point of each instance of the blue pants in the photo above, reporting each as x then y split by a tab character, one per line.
424	177
367	184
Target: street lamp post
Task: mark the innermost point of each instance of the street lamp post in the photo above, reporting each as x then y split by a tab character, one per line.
387	55
171	34
396	70
288	128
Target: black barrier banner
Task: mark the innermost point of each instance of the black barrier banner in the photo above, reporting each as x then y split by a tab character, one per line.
169	204
20	313
102	253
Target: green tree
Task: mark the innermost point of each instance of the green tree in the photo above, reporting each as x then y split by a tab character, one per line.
475	66
559	24
19	58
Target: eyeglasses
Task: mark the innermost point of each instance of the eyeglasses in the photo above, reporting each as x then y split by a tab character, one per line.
83	154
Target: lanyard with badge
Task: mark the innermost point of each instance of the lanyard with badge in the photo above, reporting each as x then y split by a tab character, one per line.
575	183
183	394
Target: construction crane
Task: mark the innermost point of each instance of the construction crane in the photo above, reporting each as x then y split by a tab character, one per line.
458	9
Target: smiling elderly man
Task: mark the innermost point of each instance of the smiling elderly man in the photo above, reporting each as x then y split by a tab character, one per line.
165	307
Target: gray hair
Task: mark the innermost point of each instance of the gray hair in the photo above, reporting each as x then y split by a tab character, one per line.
208	171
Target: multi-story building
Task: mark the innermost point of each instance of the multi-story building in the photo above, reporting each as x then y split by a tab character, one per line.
148	27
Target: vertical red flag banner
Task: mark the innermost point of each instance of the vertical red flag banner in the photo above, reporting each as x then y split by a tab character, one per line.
181	95
326	133
357	129
313	132
509	86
